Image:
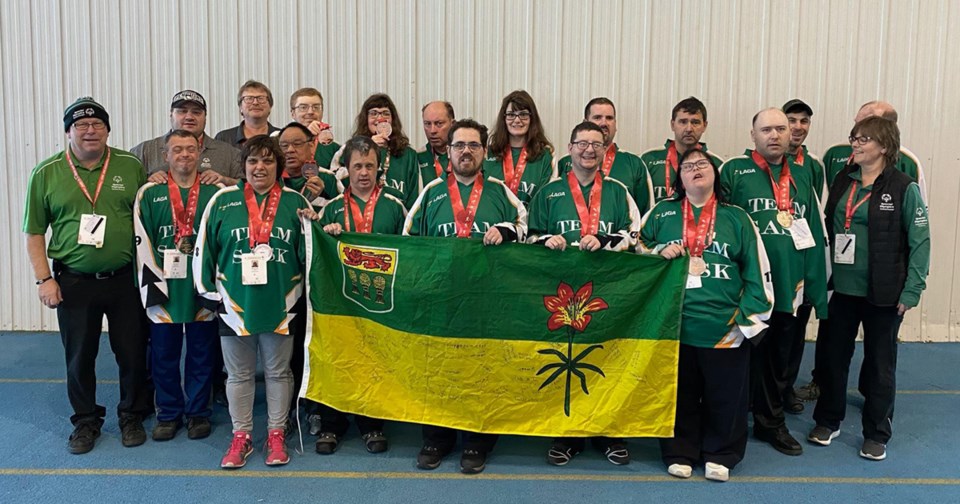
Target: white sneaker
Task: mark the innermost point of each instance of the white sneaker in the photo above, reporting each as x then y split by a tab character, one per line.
716	472
680	470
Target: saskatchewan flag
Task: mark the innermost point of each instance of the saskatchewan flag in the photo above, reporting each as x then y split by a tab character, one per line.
510	339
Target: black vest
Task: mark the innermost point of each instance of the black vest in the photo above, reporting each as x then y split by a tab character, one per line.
887	238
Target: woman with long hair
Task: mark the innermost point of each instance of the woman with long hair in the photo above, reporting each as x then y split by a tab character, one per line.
520	154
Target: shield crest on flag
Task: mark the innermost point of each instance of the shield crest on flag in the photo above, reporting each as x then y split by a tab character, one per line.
368	275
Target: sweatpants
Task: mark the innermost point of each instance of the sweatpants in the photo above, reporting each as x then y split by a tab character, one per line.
240	358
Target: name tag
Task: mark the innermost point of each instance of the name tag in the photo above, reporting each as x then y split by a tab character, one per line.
802	237
253	269
845	247
174	264
694	282
92	228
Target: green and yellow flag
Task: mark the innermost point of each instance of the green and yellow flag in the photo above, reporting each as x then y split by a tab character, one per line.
512	339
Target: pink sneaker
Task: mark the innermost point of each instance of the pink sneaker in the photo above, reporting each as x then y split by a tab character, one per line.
240	448
276	448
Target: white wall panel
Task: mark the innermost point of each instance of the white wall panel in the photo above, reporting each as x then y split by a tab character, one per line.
736	55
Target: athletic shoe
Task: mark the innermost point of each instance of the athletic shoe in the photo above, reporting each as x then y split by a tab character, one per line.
559	454
198	427
716	472
83	438
276	448
618	454
680	470
165	430
430	456
822	435
327	443
473	462
375	441
240	448
131	431
873	450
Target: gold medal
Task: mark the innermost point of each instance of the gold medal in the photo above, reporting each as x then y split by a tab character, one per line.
784	218
697	266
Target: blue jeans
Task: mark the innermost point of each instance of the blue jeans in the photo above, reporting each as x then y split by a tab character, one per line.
166	347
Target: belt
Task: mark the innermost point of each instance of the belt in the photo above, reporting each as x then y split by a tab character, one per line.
100	275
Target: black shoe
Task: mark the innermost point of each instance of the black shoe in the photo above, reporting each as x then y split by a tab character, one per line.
198	427
131	431
327	443
618	454
560	454
375	442
473	462
791	404
809	392
780	439
430	456
165	430
83	438
220	396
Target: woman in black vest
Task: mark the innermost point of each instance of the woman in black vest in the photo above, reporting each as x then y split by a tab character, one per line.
880	248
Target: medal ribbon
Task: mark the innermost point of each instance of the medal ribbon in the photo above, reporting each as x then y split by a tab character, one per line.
670	165
851	208
781	188
183	216
608	159
510	176
261	217
363	221
463	218
385	165
83	187
697	235
589	219
799	155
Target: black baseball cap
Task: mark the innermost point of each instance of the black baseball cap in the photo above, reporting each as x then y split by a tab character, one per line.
797	105
188	96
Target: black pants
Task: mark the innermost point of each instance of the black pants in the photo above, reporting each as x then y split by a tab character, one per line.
768	365
803	316
578	444
85	302
712	394
298	329
445	438
877	373
337	422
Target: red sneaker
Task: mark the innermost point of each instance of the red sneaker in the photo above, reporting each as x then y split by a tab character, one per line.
276	448
240	448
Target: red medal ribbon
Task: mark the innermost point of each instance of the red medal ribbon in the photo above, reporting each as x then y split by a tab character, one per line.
183	215
83	187
261	216
589	219
510	176
363	221
799	155
437	166
670	165
851	208
608	159
697	235
464	217
781	188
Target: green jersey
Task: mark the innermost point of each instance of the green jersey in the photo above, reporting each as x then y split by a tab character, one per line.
55	200
838	155
629	169
814	165
167	300
796	274
554	212
853	279
427	161
432	212
388	215
736	295
217	267
536	174
662	175
400	173
331	186
324	154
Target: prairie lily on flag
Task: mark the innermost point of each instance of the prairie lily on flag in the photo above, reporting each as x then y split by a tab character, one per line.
513	339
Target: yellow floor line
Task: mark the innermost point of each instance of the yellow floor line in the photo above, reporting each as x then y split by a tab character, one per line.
348	475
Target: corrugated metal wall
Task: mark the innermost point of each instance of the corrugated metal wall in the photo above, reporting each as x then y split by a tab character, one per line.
737	56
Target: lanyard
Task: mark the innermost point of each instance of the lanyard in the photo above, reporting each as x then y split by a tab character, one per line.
851	208
83	187
589	219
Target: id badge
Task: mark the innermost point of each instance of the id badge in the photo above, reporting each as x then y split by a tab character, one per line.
845	247
174	264
253	269
802	237
694	282
92	229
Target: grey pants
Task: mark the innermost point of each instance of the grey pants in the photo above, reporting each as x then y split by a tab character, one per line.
240	359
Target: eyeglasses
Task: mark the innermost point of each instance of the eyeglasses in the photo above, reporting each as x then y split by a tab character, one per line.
249	100
295	144
303	107
523	115
82	127
460	146
695	166
859	140
583	144
386	114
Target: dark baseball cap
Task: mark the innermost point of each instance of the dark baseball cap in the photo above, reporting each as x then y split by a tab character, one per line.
188	96
797	105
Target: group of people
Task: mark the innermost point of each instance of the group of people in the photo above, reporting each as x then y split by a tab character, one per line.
204	240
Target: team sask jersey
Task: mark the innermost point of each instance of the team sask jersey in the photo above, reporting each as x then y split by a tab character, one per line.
536	173
656	162
796	274
427	163
554	212
811	163
736	295
388	214
837	156
225	236
433	215
400	173
167	300
629	169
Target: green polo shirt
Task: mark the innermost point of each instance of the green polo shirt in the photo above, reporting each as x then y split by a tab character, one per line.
54	200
